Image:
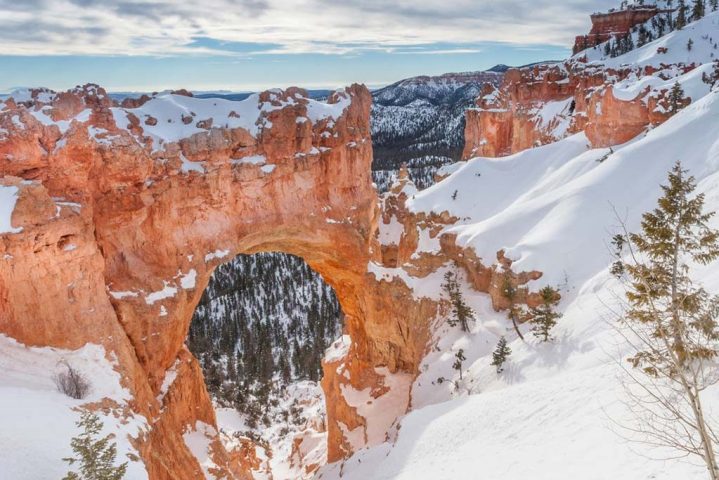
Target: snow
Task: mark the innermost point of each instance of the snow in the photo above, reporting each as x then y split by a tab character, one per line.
317	111
167	292
282	461
338	350
38	422
62	125
170	376
189	280
216	254
552	209
124	294
8	198
169	118
381	411
198	440
702	32
188	166
555	117
390	233
251	160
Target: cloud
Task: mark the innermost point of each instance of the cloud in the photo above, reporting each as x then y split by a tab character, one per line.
171	27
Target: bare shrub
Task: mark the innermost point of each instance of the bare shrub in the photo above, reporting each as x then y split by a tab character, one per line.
72	382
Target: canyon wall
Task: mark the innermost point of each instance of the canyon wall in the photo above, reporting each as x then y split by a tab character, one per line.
541	104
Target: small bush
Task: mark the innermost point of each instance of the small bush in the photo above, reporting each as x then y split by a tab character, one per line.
72	382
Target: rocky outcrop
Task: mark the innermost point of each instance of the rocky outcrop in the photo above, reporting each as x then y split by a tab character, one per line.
121	214
544	103
123	222
614	24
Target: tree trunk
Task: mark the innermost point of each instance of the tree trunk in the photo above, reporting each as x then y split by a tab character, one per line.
707	446
516	327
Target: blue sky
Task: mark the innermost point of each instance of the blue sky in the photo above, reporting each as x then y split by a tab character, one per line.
256	44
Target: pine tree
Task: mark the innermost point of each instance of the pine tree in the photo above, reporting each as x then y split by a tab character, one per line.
714	4
95	456
690	44
462	313
509	291
500	355
544	317
676	98
672	322
681	20
698	10
459	359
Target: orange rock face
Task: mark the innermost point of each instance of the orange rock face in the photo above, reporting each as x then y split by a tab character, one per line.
613	24
545	103
119	222
120	234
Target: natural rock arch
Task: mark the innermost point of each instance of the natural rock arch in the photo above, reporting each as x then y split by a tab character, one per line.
122	224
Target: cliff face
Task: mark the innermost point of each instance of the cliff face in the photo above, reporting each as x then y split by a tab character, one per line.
544	103
613	24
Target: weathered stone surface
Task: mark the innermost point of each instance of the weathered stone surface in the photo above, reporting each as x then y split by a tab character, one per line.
617	24
118	241
120	235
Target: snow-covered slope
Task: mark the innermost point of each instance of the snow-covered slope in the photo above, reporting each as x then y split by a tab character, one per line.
38	422
551	414
557	410
671	48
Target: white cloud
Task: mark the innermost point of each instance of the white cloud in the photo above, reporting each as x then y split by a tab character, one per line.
167	27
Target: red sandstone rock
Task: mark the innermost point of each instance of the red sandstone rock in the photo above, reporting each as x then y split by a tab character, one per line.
613	24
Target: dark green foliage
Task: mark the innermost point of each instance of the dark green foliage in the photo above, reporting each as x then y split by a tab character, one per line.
95	457
462	313
264	320
712	78
698	9
500	355
459	359
543	318
681	20
509	291
677	101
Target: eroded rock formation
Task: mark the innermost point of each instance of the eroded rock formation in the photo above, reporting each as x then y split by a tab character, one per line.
616	23
544	103
121	213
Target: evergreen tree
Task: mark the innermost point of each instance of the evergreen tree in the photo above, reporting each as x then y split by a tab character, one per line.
681	20
698	10
672	322
509	291
714	4
676	98
500	355
95	456
544	317
690	44
462	313
459	359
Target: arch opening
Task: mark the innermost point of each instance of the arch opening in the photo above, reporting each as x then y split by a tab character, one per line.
259	332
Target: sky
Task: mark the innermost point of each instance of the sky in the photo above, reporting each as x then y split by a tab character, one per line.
247	45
